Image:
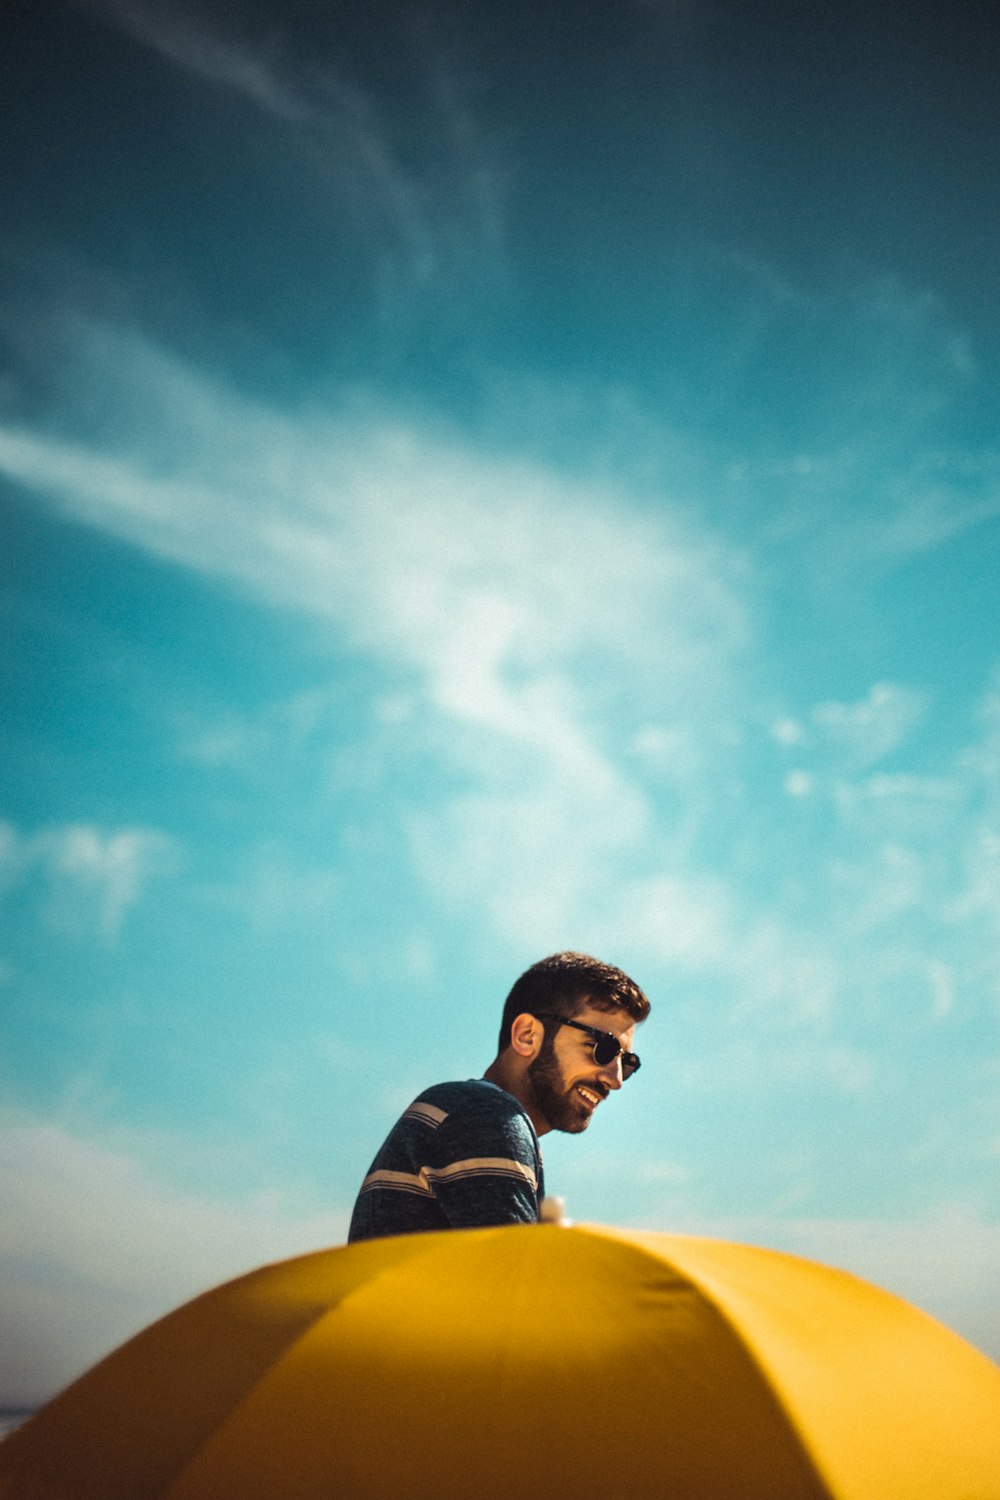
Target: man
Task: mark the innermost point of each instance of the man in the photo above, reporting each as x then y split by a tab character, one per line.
467	1154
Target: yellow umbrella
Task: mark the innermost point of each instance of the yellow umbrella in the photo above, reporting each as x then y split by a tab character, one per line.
527	1362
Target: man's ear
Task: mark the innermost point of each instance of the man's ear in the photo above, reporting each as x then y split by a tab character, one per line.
526	1036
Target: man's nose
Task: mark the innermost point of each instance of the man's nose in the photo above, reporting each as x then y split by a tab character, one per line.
612	1073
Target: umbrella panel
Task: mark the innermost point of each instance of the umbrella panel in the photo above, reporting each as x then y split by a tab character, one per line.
507	1373
891	1404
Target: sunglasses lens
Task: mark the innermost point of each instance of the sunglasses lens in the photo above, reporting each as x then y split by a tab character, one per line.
606	1049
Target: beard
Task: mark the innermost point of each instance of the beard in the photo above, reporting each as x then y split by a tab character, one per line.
560	1106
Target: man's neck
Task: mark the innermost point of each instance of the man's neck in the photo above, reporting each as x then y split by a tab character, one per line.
505	1072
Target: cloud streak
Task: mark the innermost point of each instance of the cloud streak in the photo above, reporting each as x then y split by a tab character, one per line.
582	662
525	608
433	193
92	876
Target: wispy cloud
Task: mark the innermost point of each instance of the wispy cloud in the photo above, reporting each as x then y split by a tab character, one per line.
578	668
91	876
864	507
871	467
865	732
422	178
275	892
528	612
189	40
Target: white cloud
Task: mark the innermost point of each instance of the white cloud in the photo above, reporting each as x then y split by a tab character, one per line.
938	499
92	876
11	856
797	1050
218	744
426	190
283	729
475	568
275	892
112	867
188	40
542	623
867	731
942	982
925	788
685	922
787	731
891	881
71	1290
977	897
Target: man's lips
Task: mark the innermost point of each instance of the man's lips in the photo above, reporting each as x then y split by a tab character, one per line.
591	1094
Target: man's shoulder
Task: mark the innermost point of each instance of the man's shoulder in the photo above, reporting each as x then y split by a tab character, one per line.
469	1097
474	1107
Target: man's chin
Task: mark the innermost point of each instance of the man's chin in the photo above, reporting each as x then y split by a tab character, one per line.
563	1110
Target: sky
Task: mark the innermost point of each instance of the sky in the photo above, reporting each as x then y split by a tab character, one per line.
477	481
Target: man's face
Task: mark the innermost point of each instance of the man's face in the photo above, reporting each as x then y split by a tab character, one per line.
568	1084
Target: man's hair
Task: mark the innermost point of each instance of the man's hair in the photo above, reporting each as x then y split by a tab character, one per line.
565	984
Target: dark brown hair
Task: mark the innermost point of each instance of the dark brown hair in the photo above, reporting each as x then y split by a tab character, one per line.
565	984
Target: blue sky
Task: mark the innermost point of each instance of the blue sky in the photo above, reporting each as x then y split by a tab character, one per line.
478	481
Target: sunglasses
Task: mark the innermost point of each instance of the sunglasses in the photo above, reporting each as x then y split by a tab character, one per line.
606	1045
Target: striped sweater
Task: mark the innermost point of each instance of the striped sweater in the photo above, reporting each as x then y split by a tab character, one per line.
463	1155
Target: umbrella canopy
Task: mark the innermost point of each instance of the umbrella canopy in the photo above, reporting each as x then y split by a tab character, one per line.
527	1361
